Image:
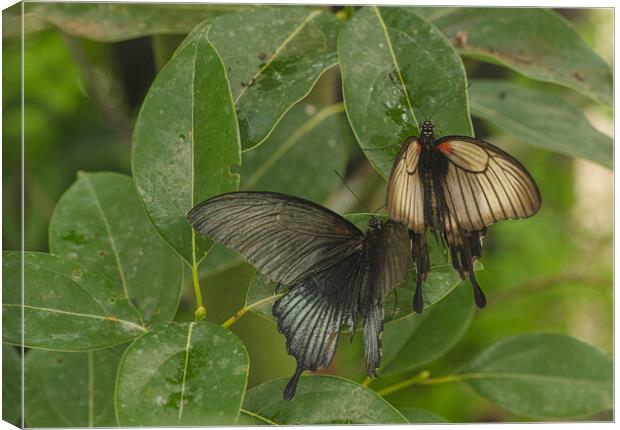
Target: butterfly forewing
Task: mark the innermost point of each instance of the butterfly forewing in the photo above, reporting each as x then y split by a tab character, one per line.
483	184
286	238
405	193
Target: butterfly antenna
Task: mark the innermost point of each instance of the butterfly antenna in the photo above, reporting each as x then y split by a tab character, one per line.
458	93
352	192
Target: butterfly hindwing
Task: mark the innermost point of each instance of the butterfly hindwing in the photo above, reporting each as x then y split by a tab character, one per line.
389	263
284	237
312	312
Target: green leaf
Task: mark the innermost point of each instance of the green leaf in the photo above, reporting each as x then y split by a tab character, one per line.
299	157
181	375
441	280
11	384
100	222
274	56
539	119
311	141
543	375
67	306
185	141
395	65
535	42
114	22
421	416
68	389
420	339
321	400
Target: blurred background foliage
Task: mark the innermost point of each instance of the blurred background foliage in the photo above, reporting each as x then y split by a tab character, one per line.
551	273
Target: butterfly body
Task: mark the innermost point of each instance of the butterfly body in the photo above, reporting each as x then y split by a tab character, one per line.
334	271
456	186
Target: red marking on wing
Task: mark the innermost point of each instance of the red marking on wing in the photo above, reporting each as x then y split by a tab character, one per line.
418	148
445	147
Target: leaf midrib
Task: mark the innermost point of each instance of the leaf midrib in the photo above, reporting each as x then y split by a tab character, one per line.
108	228
51	310
277	52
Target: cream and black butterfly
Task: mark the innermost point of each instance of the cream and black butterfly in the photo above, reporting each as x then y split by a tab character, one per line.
334	272
456	186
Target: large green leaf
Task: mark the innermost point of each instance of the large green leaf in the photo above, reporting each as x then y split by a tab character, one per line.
320	400
99	221
420	339
421	416
11	384
543	375
182	374
395	67
441	280
298	158
69	389
67	306
273	56
113	22
539	119
536	42
185	141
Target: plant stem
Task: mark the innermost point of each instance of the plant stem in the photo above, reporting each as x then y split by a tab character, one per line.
244	310
260	417
404	384
200	313
366	382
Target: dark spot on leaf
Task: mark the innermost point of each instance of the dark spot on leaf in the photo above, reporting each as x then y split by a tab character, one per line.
112	300
579	76
182	136
262	56
60	360
461	39
102	253
502	95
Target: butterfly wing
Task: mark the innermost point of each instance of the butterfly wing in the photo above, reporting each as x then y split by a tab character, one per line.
389	259
286	238
405	192
311	313
484	184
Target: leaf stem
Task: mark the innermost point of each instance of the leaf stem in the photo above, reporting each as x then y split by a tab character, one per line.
244	310
200	312
421	378
260	417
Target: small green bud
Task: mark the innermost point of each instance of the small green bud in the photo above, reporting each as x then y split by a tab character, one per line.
200	314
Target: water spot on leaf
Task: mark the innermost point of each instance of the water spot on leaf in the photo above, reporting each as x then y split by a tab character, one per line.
74	237
77	274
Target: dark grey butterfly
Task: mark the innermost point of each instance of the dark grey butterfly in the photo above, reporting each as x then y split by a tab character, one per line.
333	270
